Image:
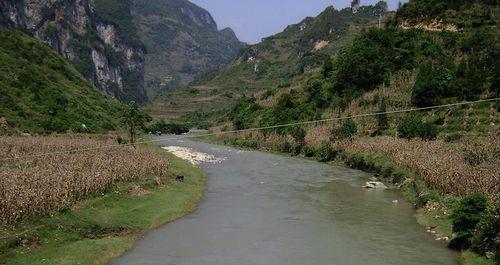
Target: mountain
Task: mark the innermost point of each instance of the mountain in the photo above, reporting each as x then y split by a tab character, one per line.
447	56
97	36
272	63
41	92
115	43
182	41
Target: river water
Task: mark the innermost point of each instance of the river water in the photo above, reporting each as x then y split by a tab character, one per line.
265	209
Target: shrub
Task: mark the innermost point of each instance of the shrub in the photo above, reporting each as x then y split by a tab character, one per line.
433	83
411	126
382	119
168	128
487	237
466	216
348	129
309	151
325	153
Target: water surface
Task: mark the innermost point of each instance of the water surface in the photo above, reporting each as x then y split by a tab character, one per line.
264	209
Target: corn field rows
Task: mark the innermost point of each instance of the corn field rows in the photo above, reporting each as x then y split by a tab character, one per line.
441	165
50	183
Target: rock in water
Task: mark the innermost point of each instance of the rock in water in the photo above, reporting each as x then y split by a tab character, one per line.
375	185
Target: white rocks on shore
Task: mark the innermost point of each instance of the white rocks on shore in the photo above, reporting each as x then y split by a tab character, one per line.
192	156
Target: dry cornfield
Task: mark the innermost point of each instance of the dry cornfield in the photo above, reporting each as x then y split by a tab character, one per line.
441	165
50	183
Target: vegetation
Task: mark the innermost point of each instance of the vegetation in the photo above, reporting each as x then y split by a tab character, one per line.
72	177
134	120
40	92
103	226
163	127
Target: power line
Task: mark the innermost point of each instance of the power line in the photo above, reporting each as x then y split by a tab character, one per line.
256	129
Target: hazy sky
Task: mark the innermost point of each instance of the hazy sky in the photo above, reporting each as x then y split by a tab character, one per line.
255	19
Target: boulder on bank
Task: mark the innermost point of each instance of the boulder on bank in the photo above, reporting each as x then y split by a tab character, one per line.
375	185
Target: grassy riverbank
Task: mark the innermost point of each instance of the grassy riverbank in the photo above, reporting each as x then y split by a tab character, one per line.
433	208
104	226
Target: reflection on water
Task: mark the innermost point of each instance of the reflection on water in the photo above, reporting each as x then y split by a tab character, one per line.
266	209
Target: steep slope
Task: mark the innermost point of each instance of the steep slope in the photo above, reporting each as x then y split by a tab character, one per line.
182	41
274	62
42	92
97	36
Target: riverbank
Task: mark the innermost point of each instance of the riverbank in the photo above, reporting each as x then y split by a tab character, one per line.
433	208
104	226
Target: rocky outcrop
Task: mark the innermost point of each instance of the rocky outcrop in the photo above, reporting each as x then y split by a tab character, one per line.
114	65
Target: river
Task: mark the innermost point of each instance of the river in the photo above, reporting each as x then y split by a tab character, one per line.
265	209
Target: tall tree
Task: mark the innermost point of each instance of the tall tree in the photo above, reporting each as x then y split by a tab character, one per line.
134	120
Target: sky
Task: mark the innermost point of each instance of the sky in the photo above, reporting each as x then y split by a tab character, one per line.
253	20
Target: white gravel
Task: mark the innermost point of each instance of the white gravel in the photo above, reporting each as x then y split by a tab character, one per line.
192	156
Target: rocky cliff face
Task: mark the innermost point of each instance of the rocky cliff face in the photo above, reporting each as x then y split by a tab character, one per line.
77	30
182	41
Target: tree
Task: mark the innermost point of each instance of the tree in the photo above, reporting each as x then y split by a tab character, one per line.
349	129
299	135
382	120
411	126
134	120
466	216
327	67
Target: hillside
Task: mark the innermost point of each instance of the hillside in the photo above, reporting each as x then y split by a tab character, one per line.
117	44
272	63
42	92
96	36
182	41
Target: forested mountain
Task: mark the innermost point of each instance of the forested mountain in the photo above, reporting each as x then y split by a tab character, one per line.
274	62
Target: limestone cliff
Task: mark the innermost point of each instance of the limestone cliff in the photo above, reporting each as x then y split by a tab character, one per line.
81	31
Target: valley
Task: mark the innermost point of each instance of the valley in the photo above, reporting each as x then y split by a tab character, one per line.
104	103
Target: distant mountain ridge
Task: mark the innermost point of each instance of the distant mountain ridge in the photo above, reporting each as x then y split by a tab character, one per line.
274	62
182	40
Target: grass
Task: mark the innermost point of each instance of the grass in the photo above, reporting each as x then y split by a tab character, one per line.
103	227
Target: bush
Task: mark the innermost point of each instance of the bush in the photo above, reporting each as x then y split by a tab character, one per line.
326	153
348	129
487	236
309	151
168	128
466	216
433	83
411	126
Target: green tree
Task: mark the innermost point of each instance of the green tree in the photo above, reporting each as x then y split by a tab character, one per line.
134	120
382	119
348	129
411	126
327	67
466	216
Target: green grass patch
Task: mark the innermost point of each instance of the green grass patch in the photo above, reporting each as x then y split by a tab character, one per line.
103	227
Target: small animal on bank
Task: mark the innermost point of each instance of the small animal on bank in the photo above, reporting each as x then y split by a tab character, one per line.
179	178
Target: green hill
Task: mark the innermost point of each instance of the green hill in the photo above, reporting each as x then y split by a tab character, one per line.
41	92
274	62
